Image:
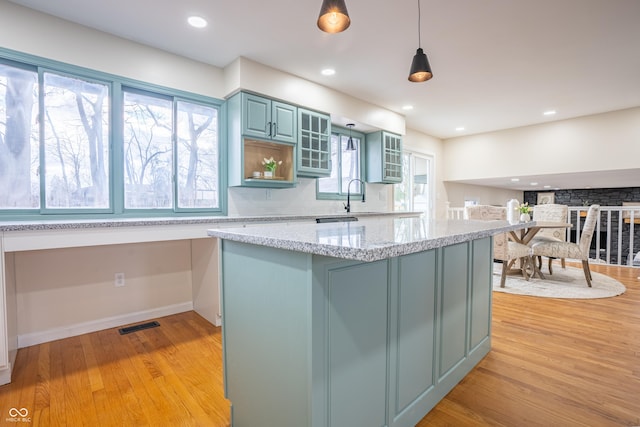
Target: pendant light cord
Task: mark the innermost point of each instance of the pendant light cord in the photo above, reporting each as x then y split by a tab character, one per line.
419	36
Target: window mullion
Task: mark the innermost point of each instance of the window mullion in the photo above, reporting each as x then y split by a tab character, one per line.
117	149
41	133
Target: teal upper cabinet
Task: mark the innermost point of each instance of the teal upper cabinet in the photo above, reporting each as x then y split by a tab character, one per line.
314	143
268	119
259	128
384	157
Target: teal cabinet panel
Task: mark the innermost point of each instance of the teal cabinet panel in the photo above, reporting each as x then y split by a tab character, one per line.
283	123
256	119
357	345
266	343
384	157
481	288
259	128
314	143
453	307
413	347
268	119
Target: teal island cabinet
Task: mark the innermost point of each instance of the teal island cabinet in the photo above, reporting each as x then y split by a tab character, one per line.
346	324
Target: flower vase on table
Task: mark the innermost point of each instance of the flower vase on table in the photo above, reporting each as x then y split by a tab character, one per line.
525	211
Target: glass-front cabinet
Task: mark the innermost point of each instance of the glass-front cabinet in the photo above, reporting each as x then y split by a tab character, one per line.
314	143
384	157
262	136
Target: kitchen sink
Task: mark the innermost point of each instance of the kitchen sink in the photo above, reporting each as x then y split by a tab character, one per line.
336	219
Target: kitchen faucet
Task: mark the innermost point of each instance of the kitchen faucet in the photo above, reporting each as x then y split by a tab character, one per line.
347	207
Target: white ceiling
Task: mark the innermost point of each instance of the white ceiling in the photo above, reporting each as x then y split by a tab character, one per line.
497	64
549	182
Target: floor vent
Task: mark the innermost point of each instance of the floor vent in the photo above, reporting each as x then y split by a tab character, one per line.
139	327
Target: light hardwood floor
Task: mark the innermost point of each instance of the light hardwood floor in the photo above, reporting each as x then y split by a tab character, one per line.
553	363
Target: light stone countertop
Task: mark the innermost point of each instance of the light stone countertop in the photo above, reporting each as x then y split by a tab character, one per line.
44	225
368	239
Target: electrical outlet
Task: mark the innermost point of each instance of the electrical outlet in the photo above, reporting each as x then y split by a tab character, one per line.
119	280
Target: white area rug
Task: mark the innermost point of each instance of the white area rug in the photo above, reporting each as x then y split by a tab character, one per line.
563	283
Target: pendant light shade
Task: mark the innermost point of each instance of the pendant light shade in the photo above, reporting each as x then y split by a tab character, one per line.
350	145
334	17
420	69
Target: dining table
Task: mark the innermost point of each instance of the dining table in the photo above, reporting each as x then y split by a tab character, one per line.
526	235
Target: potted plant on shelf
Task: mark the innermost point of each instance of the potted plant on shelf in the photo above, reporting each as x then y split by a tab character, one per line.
270	166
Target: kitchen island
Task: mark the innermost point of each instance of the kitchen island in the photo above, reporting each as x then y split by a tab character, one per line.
364	323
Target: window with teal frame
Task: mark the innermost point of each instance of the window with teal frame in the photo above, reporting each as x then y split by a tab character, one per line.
81	143
346	165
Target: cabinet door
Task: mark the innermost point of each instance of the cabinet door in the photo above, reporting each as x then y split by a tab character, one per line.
357	344
283	122
454	310
392	158
314	144
481	283
256	116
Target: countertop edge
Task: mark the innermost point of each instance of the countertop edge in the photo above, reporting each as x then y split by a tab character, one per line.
373	253
46	225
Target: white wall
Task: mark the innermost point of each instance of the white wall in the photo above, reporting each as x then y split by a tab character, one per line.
609	141
302	200
64	287
458	193
35	33
249	75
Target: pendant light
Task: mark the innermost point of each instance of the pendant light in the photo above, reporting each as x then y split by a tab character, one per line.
350	145
333	17
420	68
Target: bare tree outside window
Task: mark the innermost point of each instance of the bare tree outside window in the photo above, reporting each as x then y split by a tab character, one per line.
76	145
19	155
148	153
197	148
58	148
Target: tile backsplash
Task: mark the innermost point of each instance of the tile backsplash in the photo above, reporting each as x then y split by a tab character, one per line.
302	200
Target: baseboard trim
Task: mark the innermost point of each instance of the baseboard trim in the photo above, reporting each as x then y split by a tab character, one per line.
34	338
5	374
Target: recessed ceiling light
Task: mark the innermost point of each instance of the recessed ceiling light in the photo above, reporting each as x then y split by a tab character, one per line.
460	128
197	21
328	72
547	186
549	113
407	107
533	183
515	179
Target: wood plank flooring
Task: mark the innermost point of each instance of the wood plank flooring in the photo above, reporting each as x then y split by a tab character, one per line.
553	363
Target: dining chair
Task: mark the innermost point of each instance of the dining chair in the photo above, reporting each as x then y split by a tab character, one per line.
504	249
555	213
571	250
